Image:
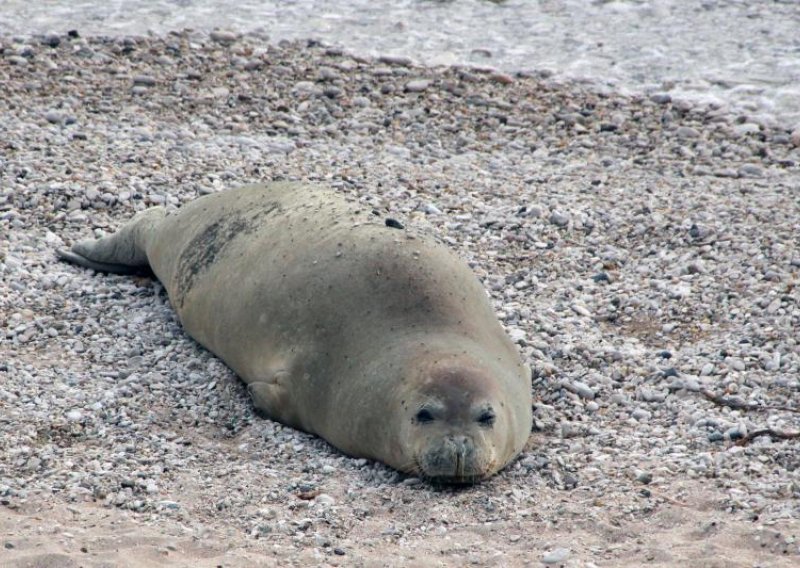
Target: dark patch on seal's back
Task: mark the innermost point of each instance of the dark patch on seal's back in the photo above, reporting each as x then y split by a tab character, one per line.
207	245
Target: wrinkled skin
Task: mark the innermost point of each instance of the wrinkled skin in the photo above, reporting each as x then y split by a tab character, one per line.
372	337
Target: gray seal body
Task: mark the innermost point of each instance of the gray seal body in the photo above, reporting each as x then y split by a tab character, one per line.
378	340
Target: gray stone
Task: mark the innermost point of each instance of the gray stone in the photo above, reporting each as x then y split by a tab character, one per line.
224	37
556	556
687	132
559	219
751	170
417	85
396	60
54	117
144	80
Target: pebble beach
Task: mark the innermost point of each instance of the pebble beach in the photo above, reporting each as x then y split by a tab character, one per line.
643	251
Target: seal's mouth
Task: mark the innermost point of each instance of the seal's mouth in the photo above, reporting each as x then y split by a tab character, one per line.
457	478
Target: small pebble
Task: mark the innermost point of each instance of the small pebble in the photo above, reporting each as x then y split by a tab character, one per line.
74	415
54	117
559	219
751	170
224	37
144	80
396	60
687	132
417	85
556	555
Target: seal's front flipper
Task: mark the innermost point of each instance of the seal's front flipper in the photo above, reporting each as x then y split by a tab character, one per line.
273	399
124	252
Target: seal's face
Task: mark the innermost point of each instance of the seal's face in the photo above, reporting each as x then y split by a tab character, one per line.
458	428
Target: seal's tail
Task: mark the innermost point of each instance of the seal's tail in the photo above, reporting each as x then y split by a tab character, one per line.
124	252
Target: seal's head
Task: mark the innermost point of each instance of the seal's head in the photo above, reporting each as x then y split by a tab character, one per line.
461	426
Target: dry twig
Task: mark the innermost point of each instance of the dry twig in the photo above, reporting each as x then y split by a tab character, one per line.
739	405
720	400
767	432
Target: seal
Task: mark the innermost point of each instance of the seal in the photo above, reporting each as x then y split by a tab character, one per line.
342	324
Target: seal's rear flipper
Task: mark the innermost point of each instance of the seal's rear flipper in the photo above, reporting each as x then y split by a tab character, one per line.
75	258
124	252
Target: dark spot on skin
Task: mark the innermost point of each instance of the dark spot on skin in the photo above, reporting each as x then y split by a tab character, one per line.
206	246
394	223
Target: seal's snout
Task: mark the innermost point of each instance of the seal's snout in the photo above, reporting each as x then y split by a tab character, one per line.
453	459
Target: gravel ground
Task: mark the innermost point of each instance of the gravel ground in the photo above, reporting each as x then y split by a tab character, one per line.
643	253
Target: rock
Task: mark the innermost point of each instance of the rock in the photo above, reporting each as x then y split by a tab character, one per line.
559	219
51	40
417	85
74	415
556	556
751	170
323	499
517	335
687	132
224	37
144	80
396	60
502	78
580	388
54	117
651	395
735	364
746	129
581	310
332	91
304	87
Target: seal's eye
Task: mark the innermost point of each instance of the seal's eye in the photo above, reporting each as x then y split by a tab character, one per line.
486	418
424	416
